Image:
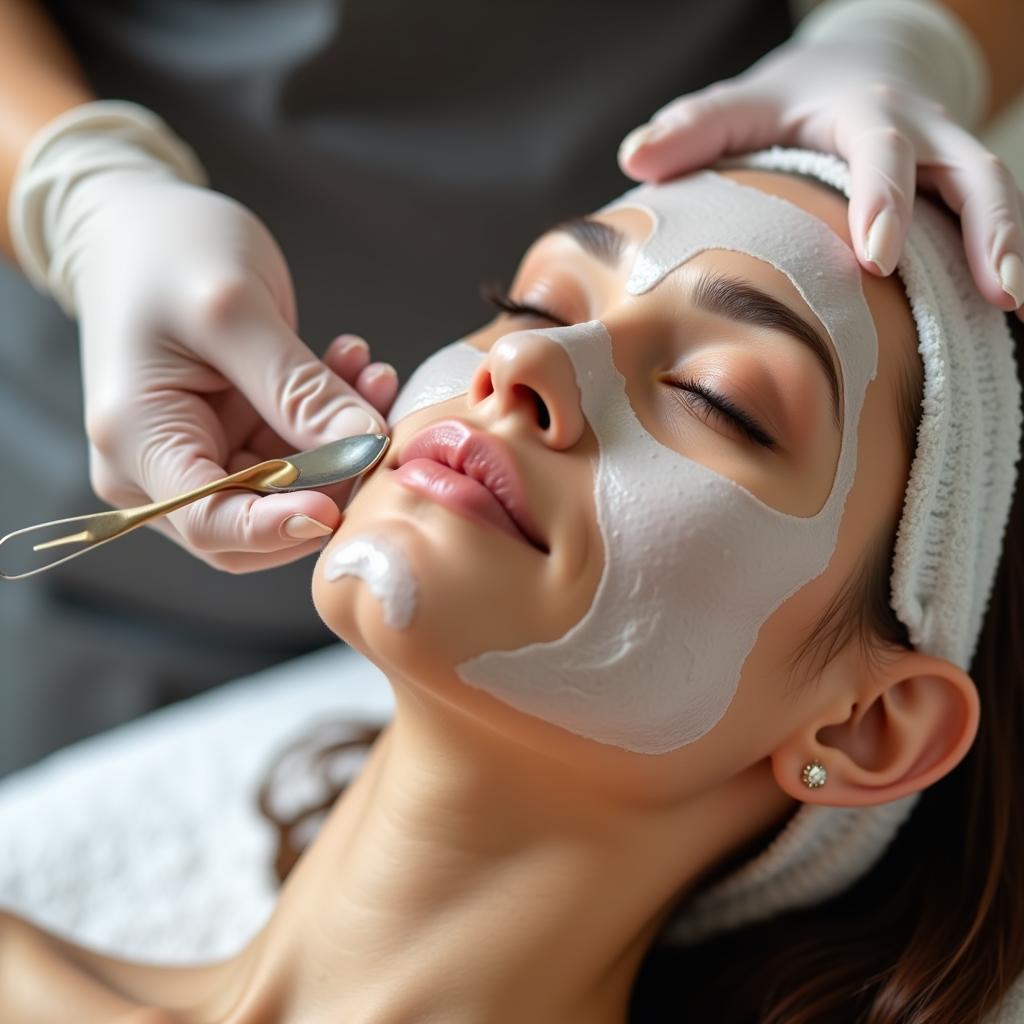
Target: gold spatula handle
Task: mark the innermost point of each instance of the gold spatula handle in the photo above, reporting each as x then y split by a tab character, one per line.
88	532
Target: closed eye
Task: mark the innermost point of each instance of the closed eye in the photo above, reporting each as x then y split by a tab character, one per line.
502	300
698	395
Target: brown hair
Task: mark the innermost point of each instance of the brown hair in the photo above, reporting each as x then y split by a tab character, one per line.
319	756
934	934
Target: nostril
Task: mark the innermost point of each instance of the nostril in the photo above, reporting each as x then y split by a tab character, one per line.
543	416
481	386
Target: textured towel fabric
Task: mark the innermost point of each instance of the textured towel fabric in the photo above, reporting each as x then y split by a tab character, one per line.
146	841
947	548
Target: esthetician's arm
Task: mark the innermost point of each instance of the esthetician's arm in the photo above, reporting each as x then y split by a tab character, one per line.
896	87
192	368
39	79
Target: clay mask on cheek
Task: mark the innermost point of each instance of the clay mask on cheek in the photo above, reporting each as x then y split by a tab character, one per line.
441	376
694	563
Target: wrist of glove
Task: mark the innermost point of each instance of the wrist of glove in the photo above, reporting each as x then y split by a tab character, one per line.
85	143
916	44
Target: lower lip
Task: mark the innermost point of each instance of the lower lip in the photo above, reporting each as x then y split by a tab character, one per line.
462	494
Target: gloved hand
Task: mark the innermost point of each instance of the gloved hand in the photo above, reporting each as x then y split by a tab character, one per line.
191	365
192	368
879	85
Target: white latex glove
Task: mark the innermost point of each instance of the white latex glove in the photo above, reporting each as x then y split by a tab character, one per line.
191	365
878	84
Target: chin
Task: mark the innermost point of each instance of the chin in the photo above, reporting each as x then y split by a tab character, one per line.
351	612
355	614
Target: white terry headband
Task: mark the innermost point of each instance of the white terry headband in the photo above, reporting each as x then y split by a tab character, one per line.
947	550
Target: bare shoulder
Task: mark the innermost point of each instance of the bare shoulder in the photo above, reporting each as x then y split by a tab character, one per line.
44	978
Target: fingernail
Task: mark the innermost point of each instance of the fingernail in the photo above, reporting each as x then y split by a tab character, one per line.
347	342
353	421
380	370
300	527
883	241
1011	277
639	137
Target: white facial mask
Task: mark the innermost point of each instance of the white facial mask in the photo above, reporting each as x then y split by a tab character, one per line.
694	563
385	570
440	376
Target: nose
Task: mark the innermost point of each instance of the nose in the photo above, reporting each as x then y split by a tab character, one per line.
527	373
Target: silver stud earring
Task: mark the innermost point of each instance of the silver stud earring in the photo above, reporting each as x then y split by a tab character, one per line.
814	775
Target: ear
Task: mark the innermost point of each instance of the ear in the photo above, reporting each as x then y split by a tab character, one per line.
908	722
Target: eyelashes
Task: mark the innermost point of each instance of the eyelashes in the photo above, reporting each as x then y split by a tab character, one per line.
691	391
497	296
697	394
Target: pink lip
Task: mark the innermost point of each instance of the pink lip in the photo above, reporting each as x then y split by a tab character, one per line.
473	474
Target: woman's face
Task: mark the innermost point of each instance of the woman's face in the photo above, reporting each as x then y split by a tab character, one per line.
752	404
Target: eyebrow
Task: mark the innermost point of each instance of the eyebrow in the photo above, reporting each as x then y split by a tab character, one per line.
719	294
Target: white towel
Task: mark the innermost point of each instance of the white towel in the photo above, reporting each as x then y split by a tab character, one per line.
146	842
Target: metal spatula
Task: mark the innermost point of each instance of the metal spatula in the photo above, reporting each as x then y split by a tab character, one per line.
318	467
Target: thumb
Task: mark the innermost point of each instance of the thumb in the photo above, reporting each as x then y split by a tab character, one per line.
298	396
693	131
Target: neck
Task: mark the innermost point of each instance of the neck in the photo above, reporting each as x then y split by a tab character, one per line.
462	878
